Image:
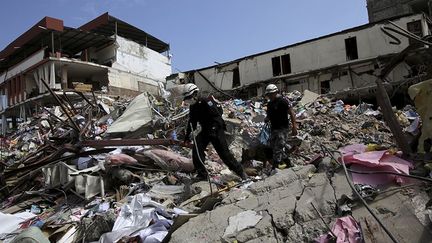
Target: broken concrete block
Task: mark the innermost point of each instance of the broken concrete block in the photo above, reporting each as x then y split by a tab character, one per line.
318	180
306	232
283	178
322	196
341	186
304	172
241	221
263	228
282	212
293	189
249	203
308	97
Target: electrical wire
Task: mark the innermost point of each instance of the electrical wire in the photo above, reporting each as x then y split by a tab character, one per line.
406	33
414	36
395	41
214	86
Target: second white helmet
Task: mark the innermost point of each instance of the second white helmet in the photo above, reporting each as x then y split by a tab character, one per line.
271	88
189	90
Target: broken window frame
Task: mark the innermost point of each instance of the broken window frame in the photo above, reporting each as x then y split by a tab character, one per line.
276	66
415	27
286	63
351	48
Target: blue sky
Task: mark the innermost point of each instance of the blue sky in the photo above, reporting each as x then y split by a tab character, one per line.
200	32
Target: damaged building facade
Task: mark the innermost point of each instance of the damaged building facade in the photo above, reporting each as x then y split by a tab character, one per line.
104	55
384	9
346	61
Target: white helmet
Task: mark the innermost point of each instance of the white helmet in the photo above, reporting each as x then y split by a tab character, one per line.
271	88
189	90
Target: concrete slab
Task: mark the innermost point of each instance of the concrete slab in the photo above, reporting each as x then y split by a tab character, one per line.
284	201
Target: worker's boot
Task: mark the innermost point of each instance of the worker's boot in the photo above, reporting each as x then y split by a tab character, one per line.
285	164
201	176
244	176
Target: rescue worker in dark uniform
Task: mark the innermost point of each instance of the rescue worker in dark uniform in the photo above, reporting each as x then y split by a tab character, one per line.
278	110
208	112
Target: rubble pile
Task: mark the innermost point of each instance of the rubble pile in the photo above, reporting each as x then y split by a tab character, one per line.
322	122
89	185
72	183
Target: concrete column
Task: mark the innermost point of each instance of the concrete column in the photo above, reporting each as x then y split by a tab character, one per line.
52	76
64	80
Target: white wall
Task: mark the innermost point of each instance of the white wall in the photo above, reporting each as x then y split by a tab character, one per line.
140	60
105	54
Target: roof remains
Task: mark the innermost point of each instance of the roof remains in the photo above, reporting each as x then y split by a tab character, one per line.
108	25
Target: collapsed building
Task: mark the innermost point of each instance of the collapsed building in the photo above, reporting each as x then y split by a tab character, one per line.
346	62
104	55
352	181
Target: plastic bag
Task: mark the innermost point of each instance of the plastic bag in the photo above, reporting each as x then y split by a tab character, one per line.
264	135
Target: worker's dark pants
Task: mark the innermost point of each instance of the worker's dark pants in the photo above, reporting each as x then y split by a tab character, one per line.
218	139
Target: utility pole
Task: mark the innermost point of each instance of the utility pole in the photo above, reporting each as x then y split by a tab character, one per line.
390	118
385	104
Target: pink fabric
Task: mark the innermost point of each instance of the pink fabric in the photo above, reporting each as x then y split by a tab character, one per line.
121	159
369	158
374	180
375	161
346	229
170	160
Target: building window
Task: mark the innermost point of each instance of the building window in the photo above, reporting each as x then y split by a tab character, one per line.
286	64
351	48
276	63
236	77
415	28
325	87
281	65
